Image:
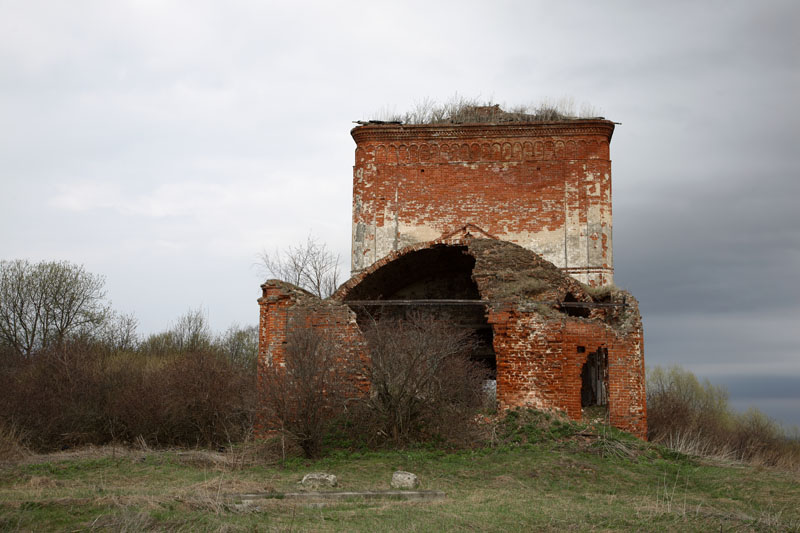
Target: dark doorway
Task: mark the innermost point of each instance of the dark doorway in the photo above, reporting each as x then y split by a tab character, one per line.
594	379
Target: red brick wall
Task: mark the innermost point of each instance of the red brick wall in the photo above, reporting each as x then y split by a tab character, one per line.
545	186
273	318
536	347
539	365
283	306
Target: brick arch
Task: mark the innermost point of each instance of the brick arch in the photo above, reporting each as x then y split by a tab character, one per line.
462	237
537	346
409	273
430	272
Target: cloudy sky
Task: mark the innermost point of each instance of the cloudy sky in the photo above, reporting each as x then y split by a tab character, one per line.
165	144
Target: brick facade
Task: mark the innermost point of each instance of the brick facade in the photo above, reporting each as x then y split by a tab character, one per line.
539	364
511	223
540	349
543	185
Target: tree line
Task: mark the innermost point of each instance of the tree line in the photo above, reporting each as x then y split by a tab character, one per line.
75	372
44	305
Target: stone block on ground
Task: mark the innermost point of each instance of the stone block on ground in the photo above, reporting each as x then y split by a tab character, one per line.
316	480
404	480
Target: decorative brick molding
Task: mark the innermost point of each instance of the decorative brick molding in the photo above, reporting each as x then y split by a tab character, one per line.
391	132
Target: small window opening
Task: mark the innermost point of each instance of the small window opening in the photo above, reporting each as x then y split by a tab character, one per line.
574	310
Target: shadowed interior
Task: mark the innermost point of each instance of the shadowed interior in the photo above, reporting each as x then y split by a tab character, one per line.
441	272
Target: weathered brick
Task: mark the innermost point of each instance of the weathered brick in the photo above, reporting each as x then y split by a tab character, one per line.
545	186
474	190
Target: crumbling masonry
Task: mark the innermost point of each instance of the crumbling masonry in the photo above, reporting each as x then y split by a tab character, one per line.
504	229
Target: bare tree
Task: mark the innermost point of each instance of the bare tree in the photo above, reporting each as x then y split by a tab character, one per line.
421	374
190	333
119	332
310	266
43	303
240	345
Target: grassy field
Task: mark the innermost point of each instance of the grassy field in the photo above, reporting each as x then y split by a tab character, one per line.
581	483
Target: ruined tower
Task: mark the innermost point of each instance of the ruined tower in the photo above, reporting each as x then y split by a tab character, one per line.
543	185
489	225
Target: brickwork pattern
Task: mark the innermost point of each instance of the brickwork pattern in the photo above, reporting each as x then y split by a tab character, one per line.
539	365
545	186
283	306
539	361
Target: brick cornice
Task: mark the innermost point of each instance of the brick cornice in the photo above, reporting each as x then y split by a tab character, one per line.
401	132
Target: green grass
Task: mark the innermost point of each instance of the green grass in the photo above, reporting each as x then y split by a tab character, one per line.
538	482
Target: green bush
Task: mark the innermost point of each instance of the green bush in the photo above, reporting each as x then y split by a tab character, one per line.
695	418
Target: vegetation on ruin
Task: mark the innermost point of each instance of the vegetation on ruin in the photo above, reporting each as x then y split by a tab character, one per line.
461	110
291	393
424	387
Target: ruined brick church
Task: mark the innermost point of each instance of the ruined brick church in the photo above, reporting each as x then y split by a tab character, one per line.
504	228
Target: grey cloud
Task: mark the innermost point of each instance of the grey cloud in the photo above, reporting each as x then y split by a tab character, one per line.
718	246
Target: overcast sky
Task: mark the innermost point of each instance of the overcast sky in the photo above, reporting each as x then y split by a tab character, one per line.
165	144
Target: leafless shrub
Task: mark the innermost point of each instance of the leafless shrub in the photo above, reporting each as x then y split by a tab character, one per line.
678	403
207	401
423	381
240	345
310	266
12	445
82	393
190	333
303	394
118	333
52	396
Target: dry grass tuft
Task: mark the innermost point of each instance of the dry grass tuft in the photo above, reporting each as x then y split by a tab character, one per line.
11	444
128	520
43	482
